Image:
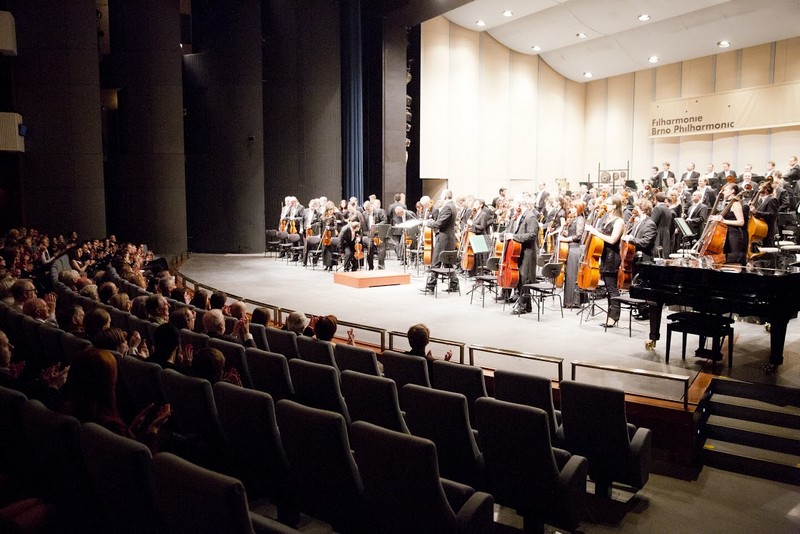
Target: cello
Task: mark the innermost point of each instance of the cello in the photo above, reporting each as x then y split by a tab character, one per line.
589	269
508	271
627	252
562	251
427	249
467	254
713	238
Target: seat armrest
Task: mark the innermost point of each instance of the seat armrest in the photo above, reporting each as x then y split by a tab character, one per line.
562	457
457	494
573	475
477	514
640	457
265	525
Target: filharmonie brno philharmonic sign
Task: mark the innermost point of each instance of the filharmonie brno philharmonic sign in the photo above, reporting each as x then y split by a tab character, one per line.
769	106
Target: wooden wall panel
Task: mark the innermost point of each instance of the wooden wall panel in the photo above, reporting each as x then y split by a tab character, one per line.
494	108
434	117
464	103
523	121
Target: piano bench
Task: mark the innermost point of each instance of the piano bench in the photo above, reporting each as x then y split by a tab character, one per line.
703	325
629	303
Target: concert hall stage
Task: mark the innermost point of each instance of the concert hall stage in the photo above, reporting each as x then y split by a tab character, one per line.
452	317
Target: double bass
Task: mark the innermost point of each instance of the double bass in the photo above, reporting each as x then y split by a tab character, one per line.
467	254
562	251
589	269
508	272
713	238
427	248
757	228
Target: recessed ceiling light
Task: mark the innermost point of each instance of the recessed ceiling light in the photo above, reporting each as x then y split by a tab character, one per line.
480	23
653	59
580	35
644	17
723	44
508	13
536	48
587	74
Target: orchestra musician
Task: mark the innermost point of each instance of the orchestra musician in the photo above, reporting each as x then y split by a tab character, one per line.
610	233
349	236
768	212
480	223
663	218
644	230
572	234
734	251
445	223
525	230
697	214
330	225
373	216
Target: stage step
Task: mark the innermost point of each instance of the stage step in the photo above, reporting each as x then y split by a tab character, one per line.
752	461
752	429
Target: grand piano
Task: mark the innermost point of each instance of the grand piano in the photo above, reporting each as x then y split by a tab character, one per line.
769	293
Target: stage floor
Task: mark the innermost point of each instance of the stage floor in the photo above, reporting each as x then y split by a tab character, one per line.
452	317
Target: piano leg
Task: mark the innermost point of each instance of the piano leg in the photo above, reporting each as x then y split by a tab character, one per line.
777	337
655	309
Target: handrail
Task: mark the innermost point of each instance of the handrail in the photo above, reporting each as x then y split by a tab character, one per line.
559	362
380	331
449	342
639	372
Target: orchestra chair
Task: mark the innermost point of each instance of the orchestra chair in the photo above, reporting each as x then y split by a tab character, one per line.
257	455
273	242
589	301
270	373
313	251
194	499
194	415
259	333
525	472
448	260
631	304
405	369
460	378
487	281
119	470
703	325
317	386
594	425
234	357
358	359
540	291
296	248
336	256
443	418
529	390
405	490
317	351
283	342
285	246
373	399
323	476
195	339
57	471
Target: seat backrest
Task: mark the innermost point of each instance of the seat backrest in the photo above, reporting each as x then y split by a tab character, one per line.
317	385
230	322
521	470
119	318
269	372
142	326
234	357
195	339
248	420
50	338
373	399
595	425
142	382
359	359
194	414
442	417
119	469
194	499
403	488
283	342
552	270
13	447
459	378
72	345
405	369
259	333
448	257
527	389
60	474
314	350
324	475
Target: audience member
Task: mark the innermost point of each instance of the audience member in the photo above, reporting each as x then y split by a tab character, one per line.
182	318
214	327
298	323
260	316
106	292
95	322
418	338
200	300
138	306
157	309
121	301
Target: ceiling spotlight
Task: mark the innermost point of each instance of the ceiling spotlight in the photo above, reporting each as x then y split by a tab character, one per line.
723	44
653	59
480	23
536	48
508	13
580	35
644	17
587	74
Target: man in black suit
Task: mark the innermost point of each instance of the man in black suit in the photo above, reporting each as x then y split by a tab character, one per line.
501	196
373	215
726	172
445	223
348	237
707	195
643	232
690	177
661	182
697	214
793	174
525	231
541	198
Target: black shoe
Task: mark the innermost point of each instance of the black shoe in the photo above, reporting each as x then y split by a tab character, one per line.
608	325
452	290
519	311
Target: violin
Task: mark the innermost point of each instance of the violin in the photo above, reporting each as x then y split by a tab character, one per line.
292	227
282	226
359	251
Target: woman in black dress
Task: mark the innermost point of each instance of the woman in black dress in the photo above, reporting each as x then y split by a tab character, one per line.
610	232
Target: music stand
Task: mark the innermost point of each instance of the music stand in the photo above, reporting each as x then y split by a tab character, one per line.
686	232
410	230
